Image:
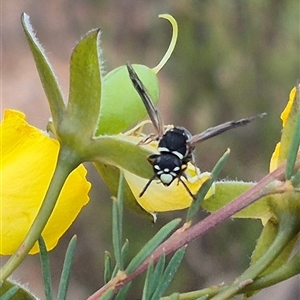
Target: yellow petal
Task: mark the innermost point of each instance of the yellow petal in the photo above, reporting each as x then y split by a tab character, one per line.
285	114
28	159
281	149
274	158
160	198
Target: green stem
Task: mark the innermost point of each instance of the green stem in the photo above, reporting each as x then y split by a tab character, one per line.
290	269
66	163
288	228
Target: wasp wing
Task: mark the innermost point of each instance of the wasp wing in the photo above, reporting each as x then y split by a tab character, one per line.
149	105
216	130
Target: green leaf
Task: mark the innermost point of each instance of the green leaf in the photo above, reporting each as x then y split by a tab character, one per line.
107	267
85	84
226	191
107	295
152	245
13	291
47	76
45	269
122	294
157	274
195	206
148	282
66	272
121	106
117	219
153	277
296	179
169	273
124	252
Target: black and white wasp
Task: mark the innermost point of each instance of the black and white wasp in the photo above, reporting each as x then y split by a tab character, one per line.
175	145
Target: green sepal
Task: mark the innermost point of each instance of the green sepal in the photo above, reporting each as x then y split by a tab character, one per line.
85	86
266	238
110	176
47	76
13	291
121	106
226	191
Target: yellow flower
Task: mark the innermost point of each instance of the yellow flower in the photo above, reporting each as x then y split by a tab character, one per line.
28	159
160	198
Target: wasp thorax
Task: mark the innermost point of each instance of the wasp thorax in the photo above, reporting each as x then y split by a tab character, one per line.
175	141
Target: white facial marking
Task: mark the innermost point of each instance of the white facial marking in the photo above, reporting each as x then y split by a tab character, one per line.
166	178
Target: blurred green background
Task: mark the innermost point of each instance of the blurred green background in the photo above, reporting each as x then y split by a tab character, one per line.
233	59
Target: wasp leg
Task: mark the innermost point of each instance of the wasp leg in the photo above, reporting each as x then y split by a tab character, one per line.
187	188
147	185
137	130
148	139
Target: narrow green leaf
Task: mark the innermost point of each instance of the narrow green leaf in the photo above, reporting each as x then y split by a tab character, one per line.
45	269
120	201
117	223
148	280
169	273
66	272
10	293
152	245
195	206
157	274
294	148
124	252
85	84
107	295
47	76
107	267
296	179
122	294
115	235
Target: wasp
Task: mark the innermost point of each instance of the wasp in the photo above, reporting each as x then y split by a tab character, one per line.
175	145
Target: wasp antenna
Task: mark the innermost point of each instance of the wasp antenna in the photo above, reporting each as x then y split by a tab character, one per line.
148	103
